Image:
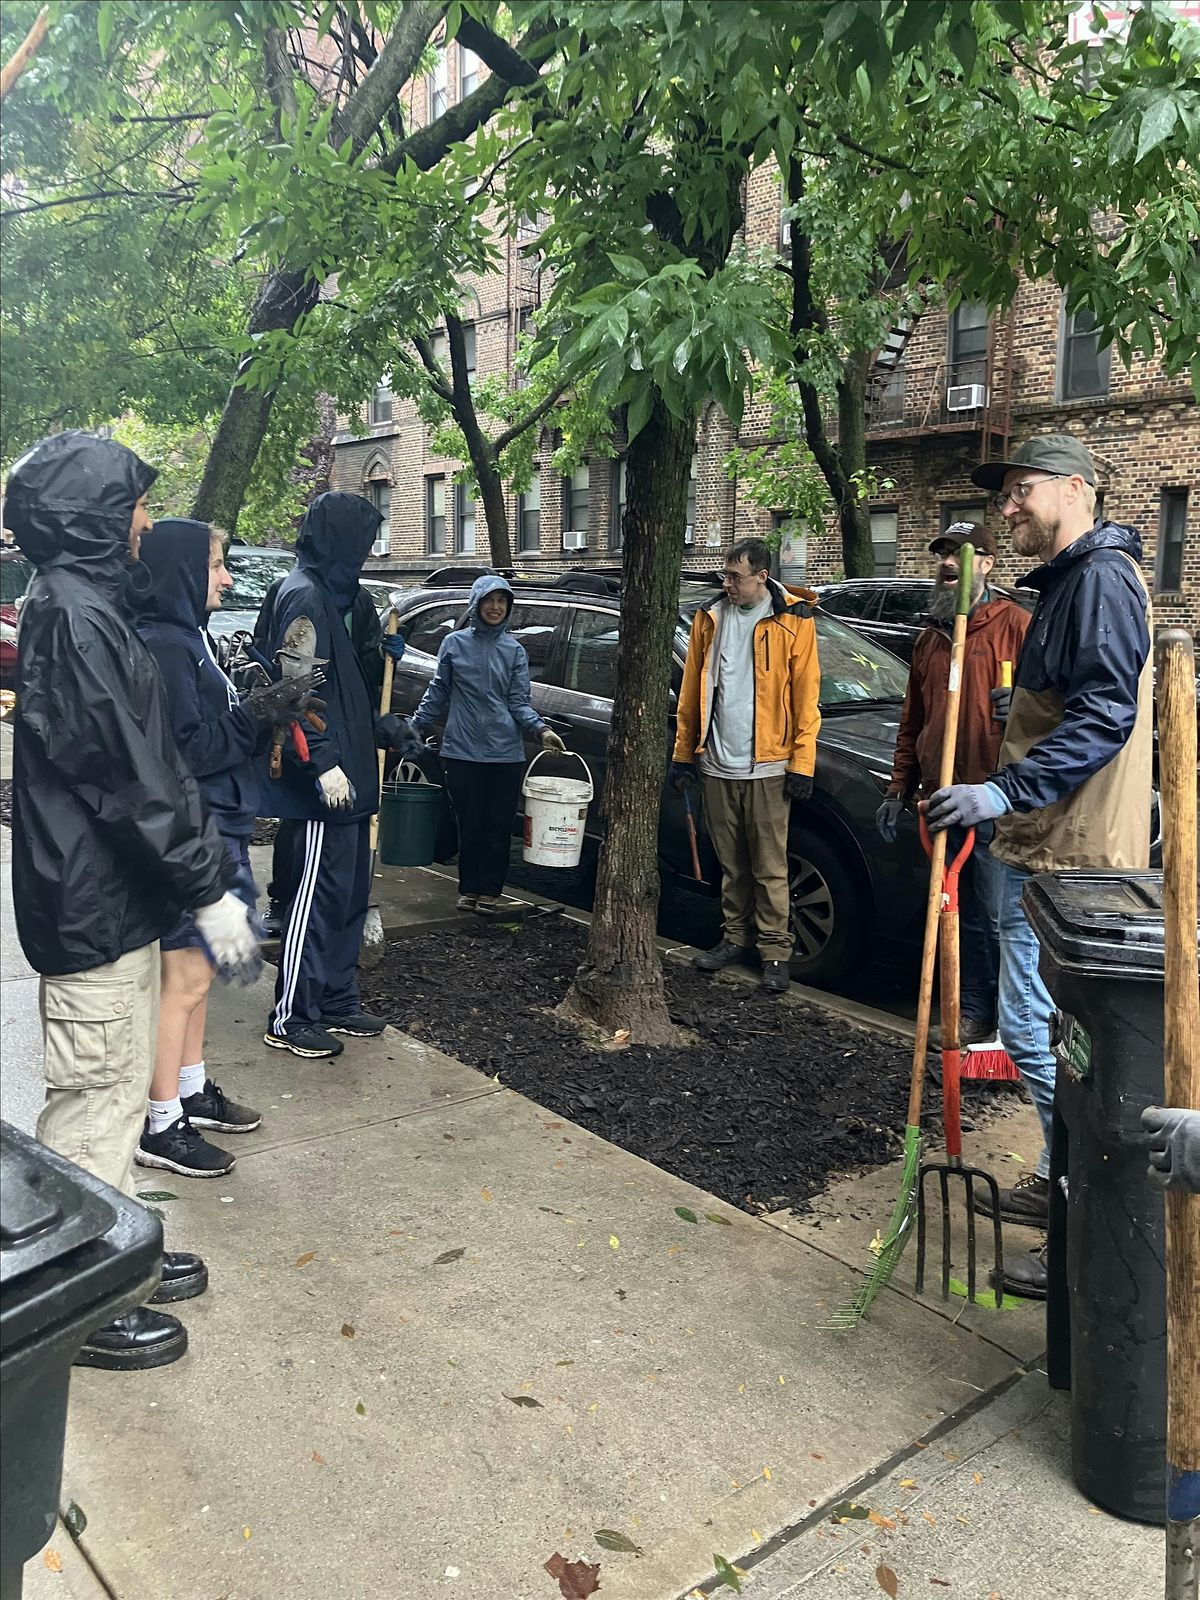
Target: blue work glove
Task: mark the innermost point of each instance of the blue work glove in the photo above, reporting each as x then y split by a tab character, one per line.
682	775
1173	1145
962	805
1001	704
393	645
797	786
887	818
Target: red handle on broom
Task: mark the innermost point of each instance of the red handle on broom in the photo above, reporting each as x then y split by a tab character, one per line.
950	990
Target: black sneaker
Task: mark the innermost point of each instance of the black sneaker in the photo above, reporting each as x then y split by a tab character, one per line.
184	1276
211	1109
776	977
134	1342
308	1039
273	920
721	956
1027	1203
181	1149
357	1024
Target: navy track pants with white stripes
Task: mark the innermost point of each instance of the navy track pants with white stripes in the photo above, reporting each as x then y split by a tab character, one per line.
328	888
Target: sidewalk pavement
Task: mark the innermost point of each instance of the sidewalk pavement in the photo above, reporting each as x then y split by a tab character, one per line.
450	1334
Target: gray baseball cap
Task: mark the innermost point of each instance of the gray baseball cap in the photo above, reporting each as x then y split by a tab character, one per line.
1057	453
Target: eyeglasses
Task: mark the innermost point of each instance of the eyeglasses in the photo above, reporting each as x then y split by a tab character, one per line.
1019	491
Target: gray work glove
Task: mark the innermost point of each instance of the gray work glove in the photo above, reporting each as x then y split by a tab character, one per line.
1001	704
551	741
887	818
1173	1144
336	790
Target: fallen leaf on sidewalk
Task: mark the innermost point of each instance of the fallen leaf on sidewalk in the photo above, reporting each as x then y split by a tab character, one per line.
686	1214
360	1409
714	1216
908	1483
524	1400
245	1533
613	1242
318	1458
53	1560
347	1330
610	1539
942	1583
156	1194
727	1573
449	1255
977	1477
564	1363
880	1520
486	1194
849	1511
887	1581
576	1579
302	1261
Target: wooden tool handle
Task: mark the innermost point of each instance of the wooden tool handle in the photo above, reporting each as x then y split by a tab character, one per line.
1181	1033
1006	674
385	705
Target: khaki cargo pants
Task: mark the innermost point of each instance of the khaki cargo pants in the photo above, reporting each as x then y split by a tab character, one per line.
99	1029
747	821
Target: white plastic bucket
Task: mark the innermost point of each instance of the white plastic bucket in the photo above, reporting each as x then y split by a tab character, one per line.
555	816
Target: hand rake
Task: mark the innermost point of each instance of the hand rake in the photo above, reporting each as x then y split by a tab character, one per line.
951	1105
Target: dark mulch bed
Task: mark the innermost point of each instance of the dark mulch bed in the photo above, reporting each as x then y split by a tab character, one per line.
771	1102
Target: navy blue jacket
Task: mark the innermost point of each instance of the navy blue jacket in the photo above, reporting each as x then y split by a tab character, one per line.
216	736
1088	641
481	688
335	539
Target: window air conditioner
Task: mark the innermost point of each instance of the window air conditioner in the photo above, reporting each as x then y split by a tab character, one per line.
966	397
574	540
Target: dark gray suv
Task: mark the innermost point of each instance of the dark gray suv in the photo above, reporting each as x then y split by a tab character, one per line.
847	886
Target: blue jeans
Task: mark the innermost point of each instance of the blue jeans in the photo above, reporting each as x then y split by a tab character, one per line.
979	927
1025	1004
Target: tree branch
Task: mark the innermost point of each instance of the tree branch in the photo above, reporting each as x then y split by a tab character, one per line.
277	75
395	64
503	440
437	379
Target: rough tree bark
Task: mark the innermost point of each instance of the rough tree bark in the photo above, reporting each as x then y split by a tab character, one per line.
619	984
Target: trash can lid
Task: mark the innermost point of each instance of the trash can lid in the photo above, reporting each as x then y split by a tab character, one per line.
1107	924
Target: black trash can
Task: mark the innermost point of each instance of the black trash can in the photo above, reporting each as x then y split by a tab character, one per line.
74	1254
1102	960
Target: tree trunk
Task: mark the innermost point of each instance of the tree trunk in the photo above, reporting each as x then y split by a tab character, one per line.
495	512
854	515
483	455
620	985
244	418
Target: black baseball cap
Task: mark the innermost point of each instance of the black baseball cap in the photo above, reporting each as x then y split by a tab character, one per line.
1058	453
960	533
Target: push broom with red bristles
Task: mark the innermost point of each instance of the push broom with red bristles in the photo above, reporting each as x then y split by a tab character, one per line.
989	1062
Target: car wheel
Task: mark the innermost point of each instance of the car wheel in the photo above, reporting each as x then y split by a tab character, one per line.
827	910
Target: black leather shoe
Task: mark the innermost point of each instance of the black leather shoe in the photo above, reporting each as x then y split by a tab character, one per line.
135	1342
1026	1204
719	957
776	978
1024	1275
184	1276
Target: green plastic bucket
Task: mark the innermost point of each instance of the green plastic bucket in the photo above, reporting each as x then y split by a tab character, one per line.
408	824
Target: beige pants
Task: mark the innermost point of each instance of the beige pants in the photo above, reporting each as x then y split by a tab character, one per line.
99	1029
747	821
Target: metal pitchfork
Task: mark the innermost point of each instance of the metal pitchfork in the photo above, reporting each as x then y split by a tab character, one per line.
951	1102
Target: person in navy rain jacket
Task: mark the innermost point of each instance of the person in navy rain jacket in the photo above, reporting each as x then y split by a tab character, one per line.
481	693
325	805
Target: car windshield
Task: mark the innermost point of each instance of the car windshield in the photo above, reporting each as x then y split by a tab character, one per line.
855	670
253	572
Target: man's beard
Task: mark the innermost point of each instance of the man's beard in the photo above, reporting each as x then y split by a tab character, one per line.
945	596
1033	537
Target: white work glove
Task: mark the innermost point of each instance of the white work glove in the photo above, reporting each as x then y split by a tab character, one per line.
230	938
337	792
551	741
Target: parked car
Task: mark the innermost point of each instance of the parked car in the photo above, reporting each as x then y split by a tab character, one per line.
846	885
254	569
892	610
15	573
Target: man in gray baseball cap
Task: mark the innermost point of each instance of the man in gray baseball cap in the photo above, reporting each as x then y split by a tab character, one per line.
1073	785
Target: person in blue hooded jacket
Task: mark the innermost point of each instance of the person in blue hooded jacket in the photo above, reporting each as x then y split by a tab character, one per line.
218	736
480	692
325	804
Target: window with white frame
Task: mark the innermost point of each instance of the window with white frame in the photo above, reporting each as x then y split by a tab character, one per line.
1083	366
382	401
439	91
967	352
529	516
379	493
435	516
689	531
620	476
464	520
469	73
885	522
469	348
791	535
575	499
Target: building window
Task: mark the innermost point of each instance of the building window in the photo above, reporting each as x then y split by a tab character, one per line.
439	94
575	500
689	529
785	227
620	476
469	347
967	354
790	539
379	493
464	521
1172	528
884	524
435	516
468	72
381	401
525	332
529	517
1084	367
439	348
965	511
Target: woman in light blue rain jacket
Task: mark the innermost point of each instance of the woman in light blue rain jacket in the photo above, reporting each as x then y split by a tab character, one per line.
480	694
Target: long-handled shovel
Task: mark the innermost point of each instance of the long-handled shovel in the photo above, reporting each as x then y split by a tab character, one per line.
372	939
952	1167
1181	1070
890	1246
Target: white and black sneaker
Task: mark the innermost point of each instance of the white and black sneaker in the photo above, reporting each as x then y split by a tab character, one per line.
181	1149
355	1024
211	1108
308	1040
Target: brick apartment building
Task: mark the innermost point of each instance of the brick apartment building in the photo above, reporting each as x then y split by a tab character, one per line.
946	392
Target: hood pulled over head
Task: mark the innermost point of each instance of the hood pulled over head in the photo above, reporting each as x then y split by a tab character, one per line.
491	583
69	503
335	539
176	552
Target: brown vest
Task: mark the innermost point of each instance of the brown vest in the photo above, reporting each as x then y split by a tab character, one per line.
1106	822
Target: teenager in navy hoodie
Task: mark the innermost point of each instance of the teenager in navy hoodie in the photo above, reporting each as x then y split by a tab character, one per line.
218	737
